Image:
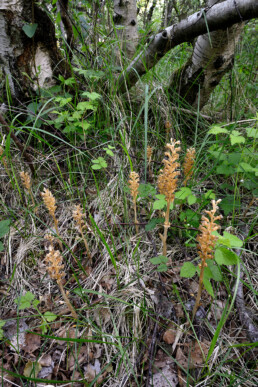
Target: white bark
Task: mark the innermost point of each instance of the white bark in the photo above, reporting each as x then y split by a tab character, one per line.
125	17
219	17
27	62
212	57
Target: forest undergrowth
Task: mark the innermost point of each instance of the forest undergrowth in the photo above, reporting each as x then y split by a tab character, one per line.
128	252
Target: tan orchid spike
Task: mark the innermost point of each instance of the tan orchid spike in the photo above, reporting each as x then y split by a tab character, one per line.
134	186
188	165
26	182
78	217
50	203
55	269
167	183
206	244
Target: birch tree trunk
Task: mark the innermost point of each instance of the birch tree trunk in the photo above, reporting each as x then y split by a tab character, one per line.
219	17
125	17
28	62
212	58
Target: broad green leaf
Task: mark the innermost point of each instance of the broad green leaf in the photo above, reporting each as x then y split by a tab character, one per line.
30	29
224	256
209	194
183	193
96	166
191	199
245	167
216	274
4	227
229	203
158	260
25	301
159	204
188	270
208	287
160	197
85	125
92	96
236	139
109	152
225	169
234	240
162	268
252	132
207	272
85	106
153	223
146	189
49	316
217	130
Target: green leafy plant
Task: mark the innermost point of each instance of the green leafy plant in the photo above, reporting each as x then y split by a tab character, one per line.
28	300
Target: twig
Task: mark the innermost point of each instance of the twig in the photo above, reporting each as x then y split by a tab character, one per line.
19	144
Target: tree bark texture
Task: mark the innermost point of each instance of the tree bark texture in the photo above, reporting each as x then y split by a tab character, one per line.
125	17
28	63
212	57
218	17
63	6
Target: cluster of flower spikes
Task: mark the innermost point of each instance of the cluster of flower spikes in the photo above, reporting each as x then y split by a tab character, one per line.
134	184
206	239
55	268
167	180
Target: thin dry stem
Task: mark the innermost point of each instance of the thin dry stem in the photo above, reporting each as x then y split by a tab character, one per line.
149	156
188	165
50	203
56	272
78	217
206	243
134	186
167	183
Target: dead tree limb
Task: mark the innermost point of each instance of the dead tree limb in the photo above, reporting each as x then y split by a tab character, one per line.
218	17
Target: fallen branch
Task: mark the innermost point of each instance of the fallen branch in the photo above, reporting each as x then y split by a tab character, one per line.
218	17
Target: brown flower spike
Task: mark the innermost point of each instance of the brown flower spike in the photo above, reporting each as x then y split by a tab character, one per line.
167	183
206	244
134	186
50	203
26	182
56	272
188	164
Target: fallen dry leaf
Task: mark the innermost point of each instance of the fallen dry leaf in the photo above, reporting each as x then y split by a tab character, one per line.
31	369
32	342
15	332
169	336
